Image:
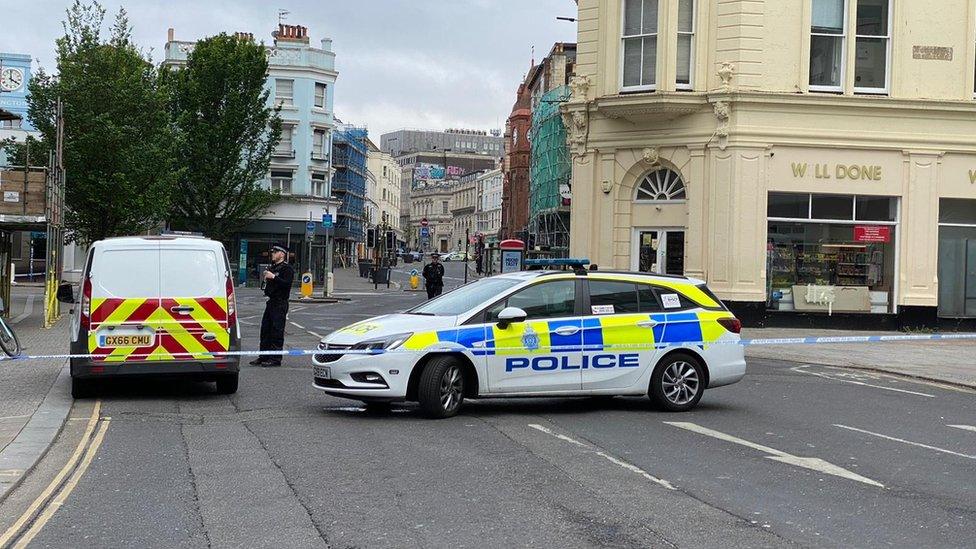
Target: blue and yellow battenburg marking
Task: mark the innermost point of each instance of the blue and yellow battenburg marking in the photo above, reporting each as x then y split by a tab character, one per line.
605	333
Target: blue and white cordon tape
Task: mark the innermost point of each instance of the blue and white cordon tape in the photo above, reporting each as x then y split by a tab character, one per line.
448	347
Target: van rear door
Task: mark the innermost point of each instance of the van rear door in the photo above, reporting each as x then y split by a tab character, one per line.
193	301
124	300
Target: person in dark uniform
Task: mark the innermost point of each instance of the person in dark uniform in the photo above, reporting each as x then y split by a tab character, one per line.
434	276
277	286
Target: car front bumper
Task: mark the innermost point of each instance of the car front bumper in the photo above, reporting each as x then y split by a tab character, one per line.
346	375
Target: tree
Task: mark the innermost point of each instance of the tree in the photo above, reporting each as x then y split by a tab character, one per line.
226	133
18	151
118	145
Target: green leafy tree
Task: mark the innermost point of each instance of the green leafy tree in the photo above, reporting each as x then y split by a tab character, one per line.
17	151
226	133
118	142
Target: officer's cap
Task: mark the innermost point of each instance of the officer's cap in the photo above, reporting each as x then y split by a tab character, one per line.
279	248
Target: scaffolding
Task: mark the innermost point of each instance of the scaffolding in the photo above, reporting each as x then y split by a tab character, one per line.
349	187
550	175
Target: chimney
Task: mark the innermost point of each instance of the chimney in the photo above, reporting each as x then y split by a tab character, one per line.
291	33
327	44
170	34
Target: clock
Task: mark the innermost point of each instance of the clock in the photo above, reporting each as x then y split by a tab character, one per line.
11	79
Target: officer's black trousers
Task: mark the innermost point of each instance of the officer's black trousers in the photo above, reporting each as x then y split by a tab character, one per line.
273	328
434	291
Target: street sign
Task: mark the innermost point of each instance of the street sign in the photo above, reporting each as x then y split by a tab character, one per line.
326	221
306	284
425	232
424	222
310	227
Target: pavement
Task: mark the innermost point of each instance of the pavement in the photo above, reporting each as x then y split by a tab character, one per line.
801	453
36	394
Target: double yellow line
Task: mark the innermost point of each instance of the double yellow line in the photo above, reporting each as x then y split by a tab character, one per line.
56	493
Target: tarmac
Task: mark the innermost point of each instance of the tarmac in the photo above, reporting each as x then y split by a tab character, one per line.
36	396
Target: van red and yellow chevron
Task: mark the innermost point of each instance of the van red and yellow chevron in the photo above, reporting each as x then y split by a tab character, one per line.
193	335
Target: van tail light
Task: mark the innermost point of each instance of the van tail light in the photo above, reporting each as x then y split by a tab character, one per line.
231	304
86	293
733	325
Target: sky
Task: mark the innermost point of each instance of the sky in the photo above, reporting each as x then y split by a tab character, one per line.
402	63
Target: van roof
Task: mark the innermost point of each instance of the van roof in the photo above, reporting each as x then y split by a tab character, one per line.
169	240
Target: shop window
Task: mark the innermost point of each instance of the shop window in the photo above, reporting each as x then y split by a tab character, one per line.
828	206
639	44
957	211
871	45
827	41
661	185
840	259
788	205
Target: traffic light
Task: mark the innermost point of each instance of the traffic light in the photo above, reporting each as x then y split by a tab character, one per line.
390	240
370	238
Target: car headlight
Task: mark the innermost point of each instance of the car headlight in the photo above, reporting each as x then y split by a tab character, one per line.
382	343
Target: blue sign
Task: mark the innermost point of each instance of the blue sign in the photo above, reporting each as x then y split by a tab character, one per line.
425	231
310	227
242	266
327	221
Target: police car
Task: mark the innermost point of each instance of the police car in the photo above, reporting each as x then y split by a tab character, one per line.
541	333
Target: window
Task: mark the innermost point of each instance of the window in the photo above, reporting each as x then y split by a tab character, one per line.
660	186
608	297
284	147
206	266
842	207
546	300
673	301
320	95
318	184
444	206
318	144
126	273
639	44
871	46
827	41
284	91
648	302
281	181
686	43
461	300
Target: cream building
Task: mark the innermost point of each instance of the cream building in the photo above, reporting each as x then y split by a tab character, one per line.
813	156
489	188
433	204
385	170
464	209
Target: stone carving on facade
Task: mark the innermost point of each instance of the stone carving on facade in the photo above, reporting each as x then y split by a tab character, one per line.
606	186
576	128
651	156
725	75
722	113
579	85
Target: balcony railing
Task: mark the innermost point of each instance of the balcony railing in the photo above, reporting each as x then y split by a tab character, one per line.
320	156
283	153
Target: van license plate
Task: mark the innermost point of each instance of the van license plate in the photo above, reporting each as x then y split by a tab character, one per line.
144	340
323	372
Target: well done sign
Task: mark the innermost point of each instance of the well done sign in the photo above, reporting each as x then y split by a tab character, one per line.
855	172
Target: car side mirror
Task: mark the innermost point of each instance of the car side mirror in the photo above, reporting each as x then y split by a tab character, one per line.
66	293
511	315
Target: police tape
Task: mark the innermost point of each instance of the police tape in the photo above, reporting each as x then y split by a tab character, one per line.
448	347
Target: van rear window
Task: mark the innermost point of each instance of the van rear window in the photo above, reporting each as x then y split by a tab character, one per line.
190	273
126	273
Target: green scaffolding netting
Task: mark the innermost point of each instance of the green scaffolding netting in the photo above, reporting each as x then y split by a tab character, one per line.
551	166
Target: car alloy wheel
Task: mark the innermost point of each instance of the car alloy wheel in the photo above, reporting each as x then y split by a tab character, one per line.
452	388
681	383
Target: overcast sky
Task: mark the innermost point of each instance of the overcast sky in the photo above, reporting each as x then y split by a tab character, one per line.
402	63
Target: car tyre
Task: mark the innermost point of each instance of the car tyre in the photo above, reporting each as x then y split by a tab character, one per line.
441	388
82	388
227	385
677	383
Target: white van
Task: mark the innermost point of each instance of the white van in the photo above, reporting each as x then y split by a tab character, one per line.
154	306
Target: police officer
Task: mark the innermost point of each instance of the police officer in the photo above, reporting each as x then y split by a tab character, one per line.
277	286
434	276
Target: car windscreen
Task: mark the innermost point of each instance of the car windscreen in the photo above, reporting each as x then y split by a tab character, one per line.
466	298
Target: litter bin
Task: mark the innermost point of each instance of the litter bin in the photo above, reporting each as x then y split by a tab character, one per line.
364	267
381	275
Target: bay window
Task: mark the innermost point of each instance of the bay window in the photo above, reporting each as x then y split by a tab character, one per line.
827	45
639	44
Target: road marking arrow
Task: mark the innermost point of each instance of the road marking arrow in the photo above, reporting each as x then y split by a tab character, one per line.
814	464
903	441
964	427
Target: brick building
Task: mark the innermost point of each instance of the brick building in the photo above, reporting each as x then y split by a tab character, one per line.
515	188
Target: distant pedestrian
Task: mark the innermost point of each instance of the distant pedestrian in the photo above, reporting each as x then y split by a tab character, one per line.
277	282
594	267
434	276
479	261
